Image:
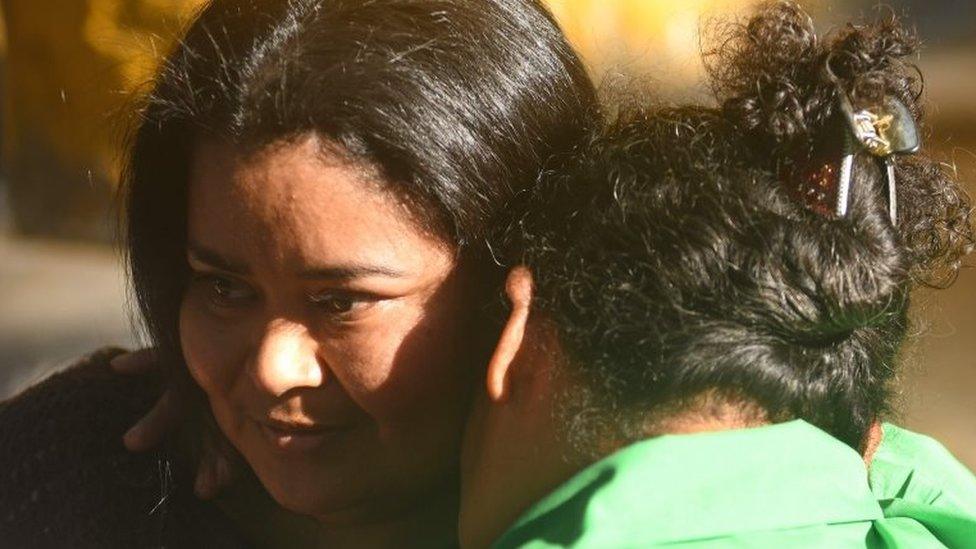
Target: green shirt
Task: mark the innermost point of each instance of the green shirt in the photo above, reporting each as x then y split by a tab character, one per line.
784	485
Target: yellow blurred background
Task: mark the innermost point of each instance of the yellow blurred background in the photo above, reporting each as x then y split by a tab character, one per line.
71	69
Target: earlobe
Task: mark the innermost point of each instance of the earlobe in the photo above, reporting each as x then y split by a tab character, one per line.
518	289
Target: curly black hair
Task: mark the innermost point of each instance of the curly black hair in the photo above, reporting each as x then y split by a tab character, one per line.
674	261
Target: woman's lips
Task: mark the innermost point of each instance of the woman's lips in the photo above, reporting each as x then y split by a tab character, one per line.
299	437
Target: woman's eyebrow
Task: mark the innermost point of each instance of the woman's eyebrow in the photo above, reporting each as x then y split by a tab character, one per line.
214	259
336	272
347	272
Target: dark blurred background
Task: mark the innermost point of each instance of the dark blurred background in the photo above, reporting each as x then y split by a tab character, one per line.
71	69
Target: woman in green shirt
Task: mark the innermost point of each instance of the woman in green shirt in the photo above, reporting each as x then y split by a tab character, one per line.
707	312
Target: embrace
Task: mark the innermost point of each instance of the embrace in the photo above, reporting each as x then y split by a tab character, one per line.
408	283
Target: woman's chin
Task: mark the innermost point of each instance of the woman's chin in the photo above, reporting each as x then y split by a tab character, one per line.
300	478
299	492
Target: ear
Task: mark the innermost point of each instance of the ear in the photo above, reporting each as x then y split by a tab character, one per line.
518	288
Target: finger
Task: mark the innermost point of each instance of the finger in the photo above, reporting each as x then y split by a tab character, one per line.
213	475
150	430
224	473
205	484
138	362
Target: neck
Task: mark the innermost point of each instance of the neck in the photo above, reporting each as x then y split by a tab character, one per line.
707	412
524	461
266	524
511	458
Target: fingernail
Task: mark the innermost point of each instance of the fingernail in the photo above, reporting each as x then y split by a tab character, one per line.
131	437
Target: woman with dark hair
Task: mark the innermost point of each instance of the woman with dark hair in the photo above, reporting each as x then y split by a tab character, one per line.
309	192
707	310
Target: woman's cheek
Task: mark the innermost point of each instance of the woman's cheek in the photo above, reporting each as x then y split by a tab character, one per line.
363	361
401	371
209	347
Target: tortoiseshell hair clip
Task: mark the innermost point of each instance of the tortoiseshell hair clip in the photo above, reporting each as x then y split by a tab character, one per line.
883	131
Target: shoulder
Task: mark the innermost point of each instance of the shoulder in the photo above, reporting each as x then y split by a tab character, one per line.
80	409
64	473
918	468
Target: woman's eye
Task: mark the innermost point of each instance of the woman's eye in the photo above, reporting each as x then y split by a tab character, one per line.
340	304
226	292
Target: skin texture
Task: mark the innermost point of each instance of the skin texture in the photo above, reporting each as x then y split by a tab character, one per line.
511	454
325	327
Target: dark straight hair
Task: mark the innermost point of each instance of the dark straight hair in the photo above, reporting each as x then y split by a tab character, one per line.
456	103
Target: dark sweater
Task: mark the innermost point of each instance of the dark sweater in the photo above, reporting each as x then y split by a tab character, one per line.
66	480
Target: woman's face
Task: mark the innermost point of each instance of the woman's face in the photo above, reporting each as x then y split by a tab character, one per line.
326	328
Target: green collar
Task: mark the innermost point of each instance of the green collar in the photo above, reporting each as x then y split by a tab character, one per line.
662	490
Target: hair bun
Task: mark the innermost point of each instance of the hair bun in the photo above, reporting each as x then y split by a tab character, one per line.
768	74
770	77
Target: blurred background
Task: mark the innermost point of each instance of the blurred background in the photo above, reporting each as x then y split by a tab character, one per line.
71	69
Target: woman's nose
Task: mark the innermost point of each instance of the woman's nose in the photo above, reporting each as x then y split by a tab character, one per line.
286	359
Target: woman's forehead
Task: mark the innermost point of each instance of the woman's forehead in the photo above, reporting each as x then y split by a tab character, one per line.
290	203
